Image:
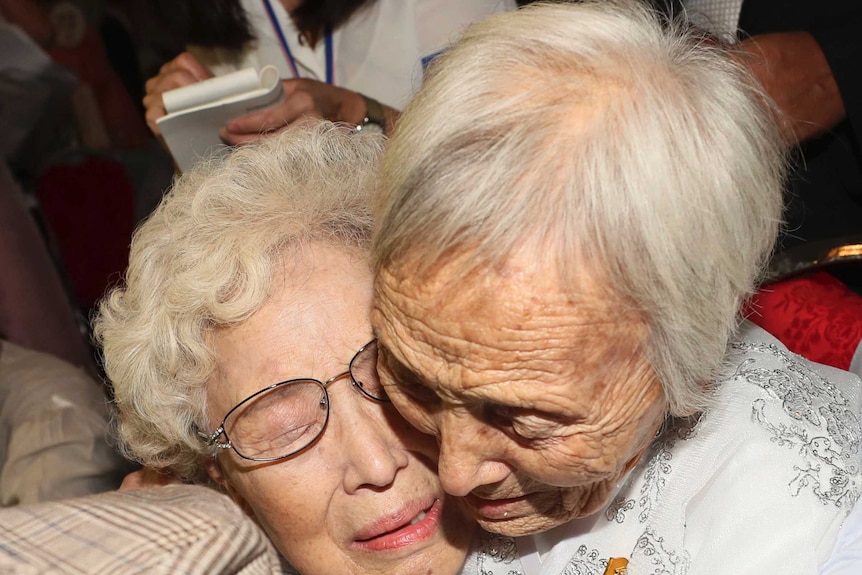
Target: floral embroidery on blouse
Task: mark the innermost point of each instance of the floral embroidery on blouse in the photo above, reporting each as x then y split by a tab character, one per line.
827	433
616	511
498	555
586	561
665	562
659	456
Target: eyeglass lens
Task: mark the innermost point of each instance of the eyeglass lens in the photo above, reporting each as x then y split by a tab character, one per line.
280	421
290	416
363	370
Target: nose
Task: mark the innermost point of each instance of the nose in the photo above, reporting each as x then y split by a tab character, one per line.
471	453
372	453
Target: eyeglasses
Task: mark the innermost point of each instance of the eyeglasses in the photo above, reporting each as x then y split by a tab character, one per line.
287	417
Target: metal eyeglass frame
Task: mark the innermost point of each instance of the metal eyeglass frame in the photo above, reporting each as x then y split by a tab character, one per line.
212	438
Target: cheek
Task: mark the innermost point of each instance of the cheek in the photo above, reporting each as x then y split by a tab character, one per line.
577	460
608	446
292	509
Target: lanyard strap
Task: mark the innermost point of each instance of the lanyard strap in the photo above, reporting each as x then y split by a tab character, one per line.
330	59
291	61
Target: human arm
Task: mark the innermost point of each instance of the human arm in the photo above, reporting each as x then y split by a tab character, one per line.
795	73
303	98
53	430
186	529
183	70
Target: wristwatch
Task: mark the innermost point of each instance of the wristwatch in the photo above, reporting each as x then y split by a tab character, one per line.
375	119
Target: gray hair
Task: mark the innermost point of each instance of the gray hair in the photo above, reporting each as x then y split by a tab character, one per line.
640	150
205	259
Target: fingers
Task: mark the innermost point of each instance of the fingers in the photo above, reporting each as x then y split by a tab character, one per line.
302	99
186	61
181	71
297	104
251	127
267	120
146	478
154	109
241	139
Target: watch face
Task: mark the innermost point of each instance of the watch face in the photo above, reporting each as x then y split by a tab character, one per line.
375	117
370	127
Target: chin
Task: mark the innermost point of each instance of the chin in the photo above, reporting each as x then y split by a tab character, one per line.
545	513
520	526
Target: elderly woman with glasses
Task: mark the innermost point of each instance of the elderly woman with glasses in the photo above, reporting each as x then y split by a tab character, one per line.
240	350
572	210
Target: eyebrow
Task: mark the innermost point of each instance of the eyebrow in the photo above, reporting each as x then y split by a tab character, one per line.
399	369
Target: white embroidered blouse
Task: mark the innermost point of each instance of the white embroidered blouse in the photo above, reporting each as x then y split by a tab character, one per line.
759	483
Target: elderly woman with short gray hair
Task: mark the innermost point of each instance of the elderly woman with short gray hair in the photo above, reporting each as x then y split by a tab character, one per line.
573	209
240	350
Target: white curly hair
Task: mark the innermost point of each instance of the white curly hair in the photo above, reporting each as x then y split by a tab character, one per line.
205	258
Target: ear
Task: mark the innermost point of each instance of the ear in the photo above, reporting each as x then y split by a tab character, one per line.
217	474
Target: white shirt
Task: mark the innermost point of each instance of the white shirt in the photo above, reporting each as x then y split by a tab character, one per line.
856	362
717	16
379	52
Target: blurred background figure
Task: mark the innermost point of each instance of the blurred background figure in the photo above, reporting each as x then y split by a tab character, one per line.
806	55
57	98
53	430
354	61
80	156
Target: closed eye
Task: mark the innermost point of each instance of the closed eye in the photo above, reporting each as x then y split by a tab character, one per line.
418	392
397	378
521	423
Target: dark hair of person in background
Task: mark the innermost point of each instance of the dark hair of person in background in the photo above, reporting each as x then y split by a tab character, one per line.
223	23
315	17
206	23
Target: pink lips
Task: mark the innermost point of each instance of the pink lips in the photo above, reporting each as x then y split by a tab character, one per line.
411	525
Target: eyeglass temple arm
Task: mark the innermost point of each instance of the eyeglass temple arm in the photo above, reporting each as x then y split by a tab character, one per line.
210	438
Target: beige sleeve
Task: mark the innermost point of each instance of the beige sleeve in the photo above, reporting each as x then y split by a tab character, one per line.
53	431
163	531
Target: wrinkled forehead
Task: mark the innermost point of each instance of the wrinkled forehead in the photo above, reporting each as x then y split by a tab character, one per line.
510	312
531	278
311	323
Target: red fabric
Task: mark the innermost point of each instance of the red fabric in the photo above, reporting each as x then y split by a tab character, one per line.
816	316
90	210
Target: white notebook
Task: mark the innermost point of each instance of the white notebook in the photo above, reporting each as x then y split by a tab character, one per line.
196	113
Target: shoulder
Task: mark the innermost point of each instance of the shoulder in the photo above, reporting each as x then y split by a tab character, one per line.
780	443
791	402
30	378
15	359
796	417
181	528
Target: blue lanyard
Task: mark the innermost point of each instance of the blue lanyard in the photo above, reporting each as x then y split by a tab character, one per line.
291	61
